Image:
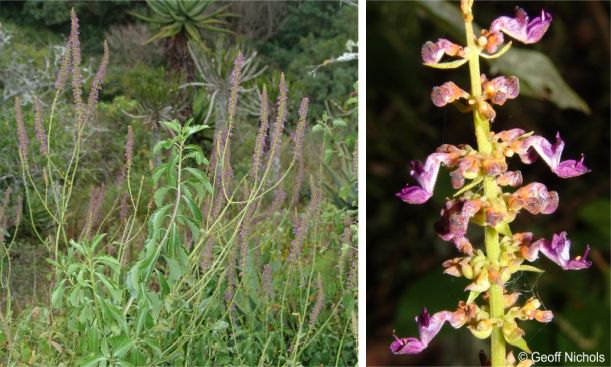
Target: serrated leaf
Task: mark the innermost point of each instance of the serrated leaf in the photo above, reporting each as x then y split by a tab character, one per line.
160	195
172	125
193	208
158	216
109	261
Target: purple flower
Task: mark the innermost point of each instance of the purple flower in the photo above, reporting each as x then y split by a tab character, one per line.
535	198
557	250
520	28
550	153
433	52
428	327
447	93
510	178
501	88
454	221
426	174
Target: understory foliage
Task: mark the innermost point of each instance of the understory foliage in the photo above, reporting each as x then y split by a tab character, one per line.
190	263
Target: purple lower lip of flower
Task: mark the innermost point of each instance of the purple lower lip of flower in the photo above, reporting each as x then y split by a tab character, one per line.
551	153
571	168
426	175
414	195
557	250
521	27
428	327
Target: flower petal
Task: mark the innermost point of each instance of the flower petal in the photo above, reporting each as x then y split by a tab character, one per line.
551	153
428	327
414	195
520	28
501	88
447	93
433	52
406	346
557	250
535	198
571	168
454	222
426	174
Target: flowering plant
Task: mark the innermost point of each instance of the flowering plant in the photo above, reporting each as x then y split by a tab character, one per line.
505	252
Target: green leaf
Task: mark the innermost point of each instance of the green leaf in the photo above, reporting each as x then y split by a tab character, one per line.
124	347
448	65
57	296
469	186
498	54
539	78
159	171
519	343
197	174
141	318
339	123
596	215
193	208
91	361
114	291
173	125
175	270
220	325
472	296
153	345
109	261
158	216
163	284
530	268
160	195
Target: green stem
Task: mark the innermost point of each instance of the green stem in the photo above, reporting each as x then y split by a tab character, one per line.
491	189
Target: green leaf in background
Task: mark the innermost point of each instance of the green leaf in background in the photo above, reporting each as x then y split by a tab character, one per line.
538	76
596	215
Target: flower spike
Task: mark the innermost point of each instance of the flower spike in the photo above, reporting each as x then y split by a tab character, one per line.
521	27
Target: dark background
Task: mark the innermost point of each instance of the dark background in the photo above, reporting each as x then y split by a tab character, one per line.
404	255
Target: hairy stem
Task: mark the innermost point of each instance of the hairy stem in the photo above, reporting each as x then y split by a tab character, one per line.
491	189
